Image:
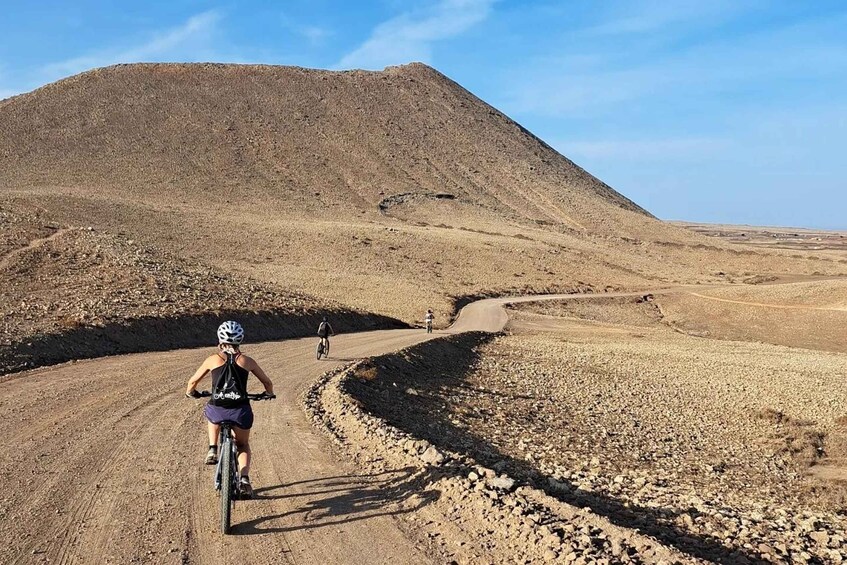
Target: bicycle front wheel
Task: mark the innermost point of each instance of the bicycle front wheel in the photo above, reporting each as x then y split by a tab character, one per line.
226	483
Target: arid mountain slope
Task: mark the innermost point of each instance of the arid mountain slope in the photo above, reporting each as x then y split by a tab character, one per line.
295	138
384	191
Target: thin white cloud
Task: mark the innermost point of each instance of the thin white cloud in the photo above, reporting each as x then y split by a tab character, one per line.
410	36
601	80
312	33
191	41
643	149
648	16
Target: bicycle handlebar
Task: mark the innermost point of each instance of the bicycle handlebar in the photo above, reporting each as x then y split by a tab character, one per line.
259	396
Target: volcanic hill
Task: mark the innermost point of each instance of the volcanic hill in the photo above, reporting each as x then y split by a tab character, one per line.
384	191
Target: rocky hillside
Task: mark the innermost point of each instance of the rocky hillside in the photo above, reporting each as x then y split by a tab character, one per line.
387	191
71	293
309	139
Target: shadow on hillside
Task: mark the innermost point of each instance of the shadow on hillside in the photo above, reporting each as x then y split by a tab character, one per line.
163	334
332	501
437	368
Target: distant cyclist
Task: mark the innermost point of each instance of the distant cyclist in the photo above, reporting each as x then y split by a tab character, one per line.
428	319
324	331
229	369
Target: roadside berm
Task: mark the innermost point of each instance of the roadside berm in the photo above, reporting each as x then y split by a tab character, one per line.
466	512
436	408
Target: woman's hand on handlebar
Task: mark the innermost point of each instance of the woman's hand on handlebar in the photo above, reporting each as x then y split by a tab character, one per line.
198	393
263	396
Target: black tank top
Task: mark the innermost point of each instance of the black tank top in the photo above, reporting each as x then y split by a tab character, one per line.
229	383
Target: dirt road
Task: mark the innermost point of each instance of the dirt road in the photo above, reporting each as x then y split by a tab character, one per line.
104	464
767	304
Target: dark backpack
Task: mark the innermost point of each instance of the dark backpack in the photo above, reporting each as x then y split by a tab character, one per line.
229	389
323	329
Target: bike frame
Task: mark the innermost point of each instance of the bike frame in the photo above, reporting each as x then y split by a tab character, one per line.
226	442
227	459
229	486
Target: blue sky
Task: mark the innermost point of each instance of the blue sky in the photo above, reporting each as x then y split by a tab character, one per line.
712	110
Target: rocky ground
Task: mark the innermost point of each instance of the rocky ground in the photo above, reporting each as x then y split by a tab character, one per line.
808	314
466	512
822	242
73	292
658	432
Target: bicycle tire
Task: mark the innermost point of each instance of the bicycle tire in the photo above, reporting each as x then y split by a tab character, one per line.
226	483
320	350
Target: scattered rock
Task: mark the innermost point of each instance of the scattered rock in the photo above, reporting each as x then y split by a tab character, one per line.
502	483
432	456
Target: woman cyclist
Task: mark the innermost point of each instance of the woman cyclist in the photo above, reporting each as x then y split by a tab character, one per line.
428	319
229	369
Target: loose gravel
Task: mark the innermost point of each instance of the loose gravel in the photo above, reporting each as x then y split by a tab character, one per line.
655	432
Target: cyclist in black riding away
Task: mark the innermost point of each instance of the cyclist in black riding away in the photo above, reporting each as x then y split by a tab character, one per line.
324	331
229	369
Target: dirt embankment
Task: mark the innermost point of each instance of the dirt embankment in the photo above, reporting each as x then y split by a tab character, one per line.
610	442
465	512
177	332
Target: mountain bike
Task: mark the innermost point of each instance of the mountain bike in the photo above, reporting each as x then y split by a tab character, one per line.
227	480
429	326
323	348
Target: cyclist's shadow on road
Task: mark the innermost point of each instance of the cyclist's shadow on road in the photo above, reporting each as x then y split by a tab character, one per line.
342	499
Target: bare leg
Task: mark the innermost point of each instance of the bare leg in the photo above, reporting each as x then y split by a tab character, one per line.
242	440
214	431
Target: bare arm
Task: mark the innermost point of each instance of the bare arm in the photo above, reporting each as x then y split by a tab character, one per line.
254	368
197	377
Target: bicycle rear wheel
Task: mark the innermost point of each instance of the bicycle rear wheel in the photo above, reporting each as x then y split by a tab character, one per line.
226	480
319	350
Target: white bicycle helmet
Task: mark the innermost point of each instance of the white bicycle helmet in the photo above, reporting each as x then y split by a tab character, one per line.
230	332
